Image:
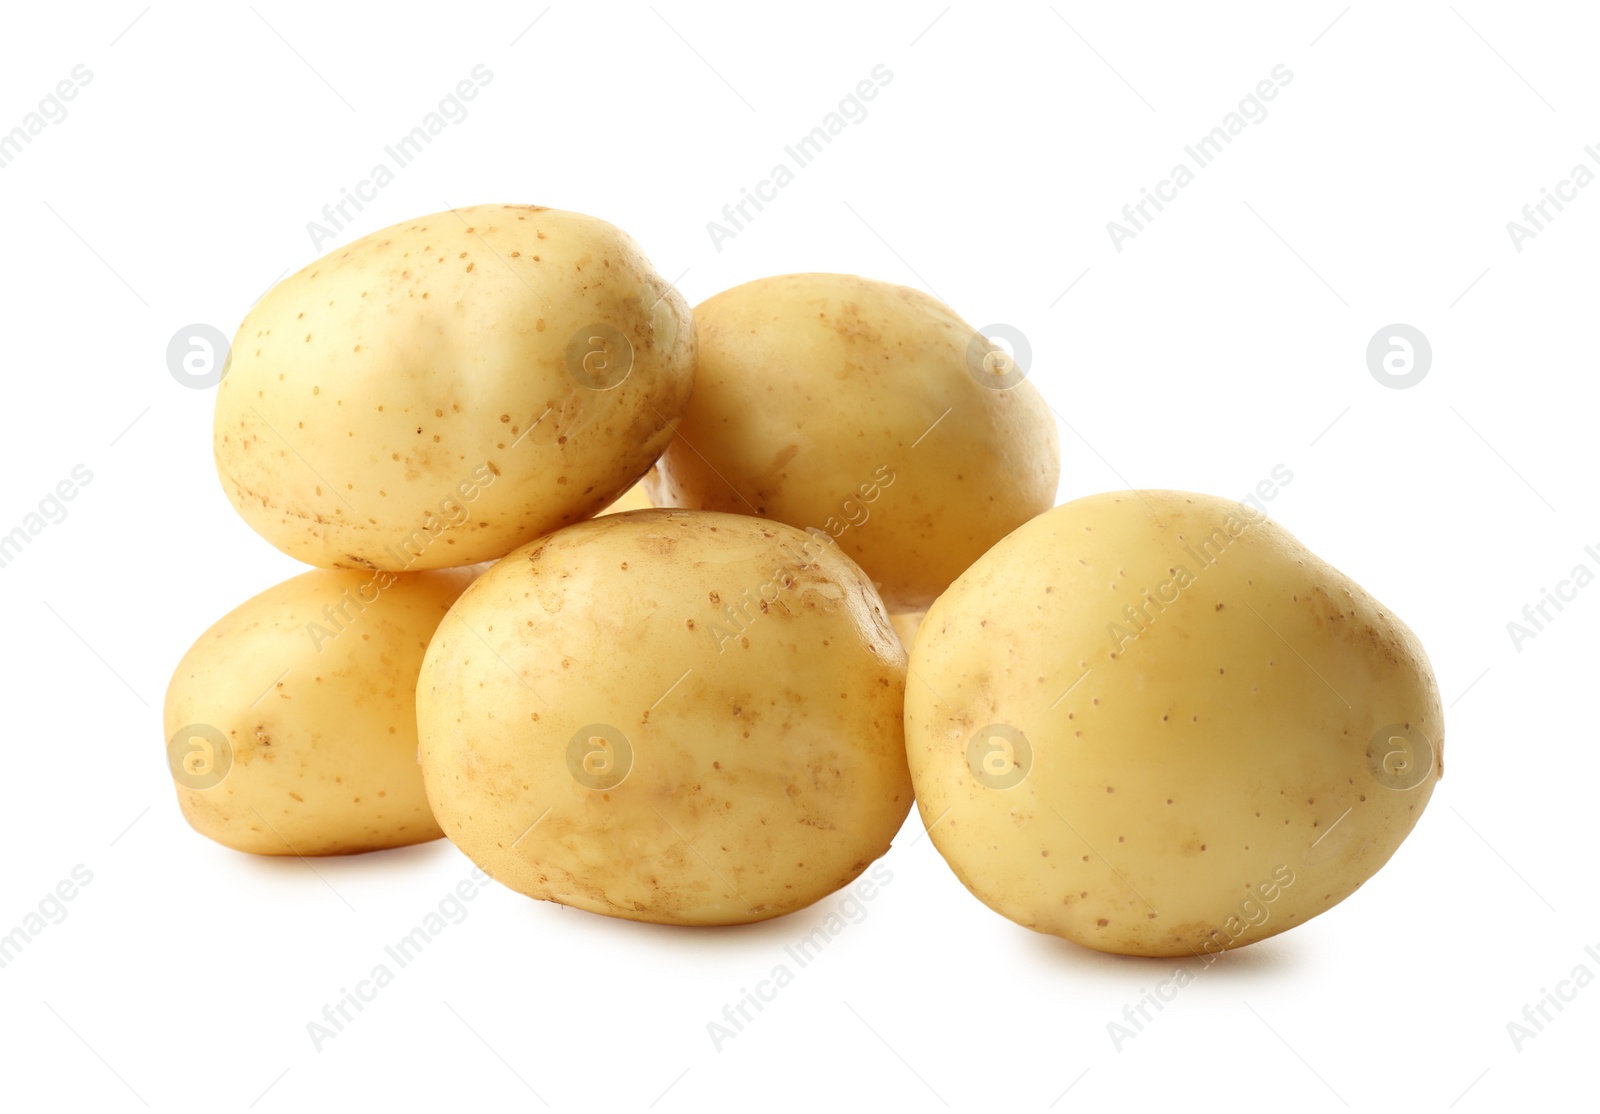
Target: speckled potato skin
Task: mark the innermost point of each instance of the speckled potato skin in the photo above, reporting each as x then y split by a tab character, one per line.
405	402
1204	782
765	774
319	711
812	389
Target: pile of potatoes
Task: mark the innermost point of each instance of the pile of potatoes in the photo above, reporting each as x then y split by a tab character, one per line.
617	597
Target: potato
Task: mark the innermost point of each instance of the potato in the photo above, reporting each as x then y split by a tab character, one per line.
1154	723
442	391
867	410
669	716
291	723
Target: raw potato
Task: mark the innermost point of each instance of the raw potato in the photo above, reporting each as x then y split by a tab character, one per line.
291	723
442	391
669	716
855	407
1163	727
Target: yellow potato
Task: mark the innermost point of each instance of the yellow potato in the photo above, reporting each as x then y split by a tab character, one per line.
444	390
1154	723
669	716
291	723
869	411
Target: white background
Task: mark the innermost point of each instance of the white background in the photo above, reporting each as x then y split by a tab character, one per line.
1226	338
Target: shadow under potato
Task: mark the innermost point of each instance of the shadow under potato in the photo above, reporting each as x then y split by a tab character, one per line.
1272	956
388	860
762	935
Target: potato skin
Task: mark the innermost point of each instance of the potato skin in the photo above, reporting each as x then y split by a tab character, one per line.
324	759
1195	777
407	402
814	402
753	675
